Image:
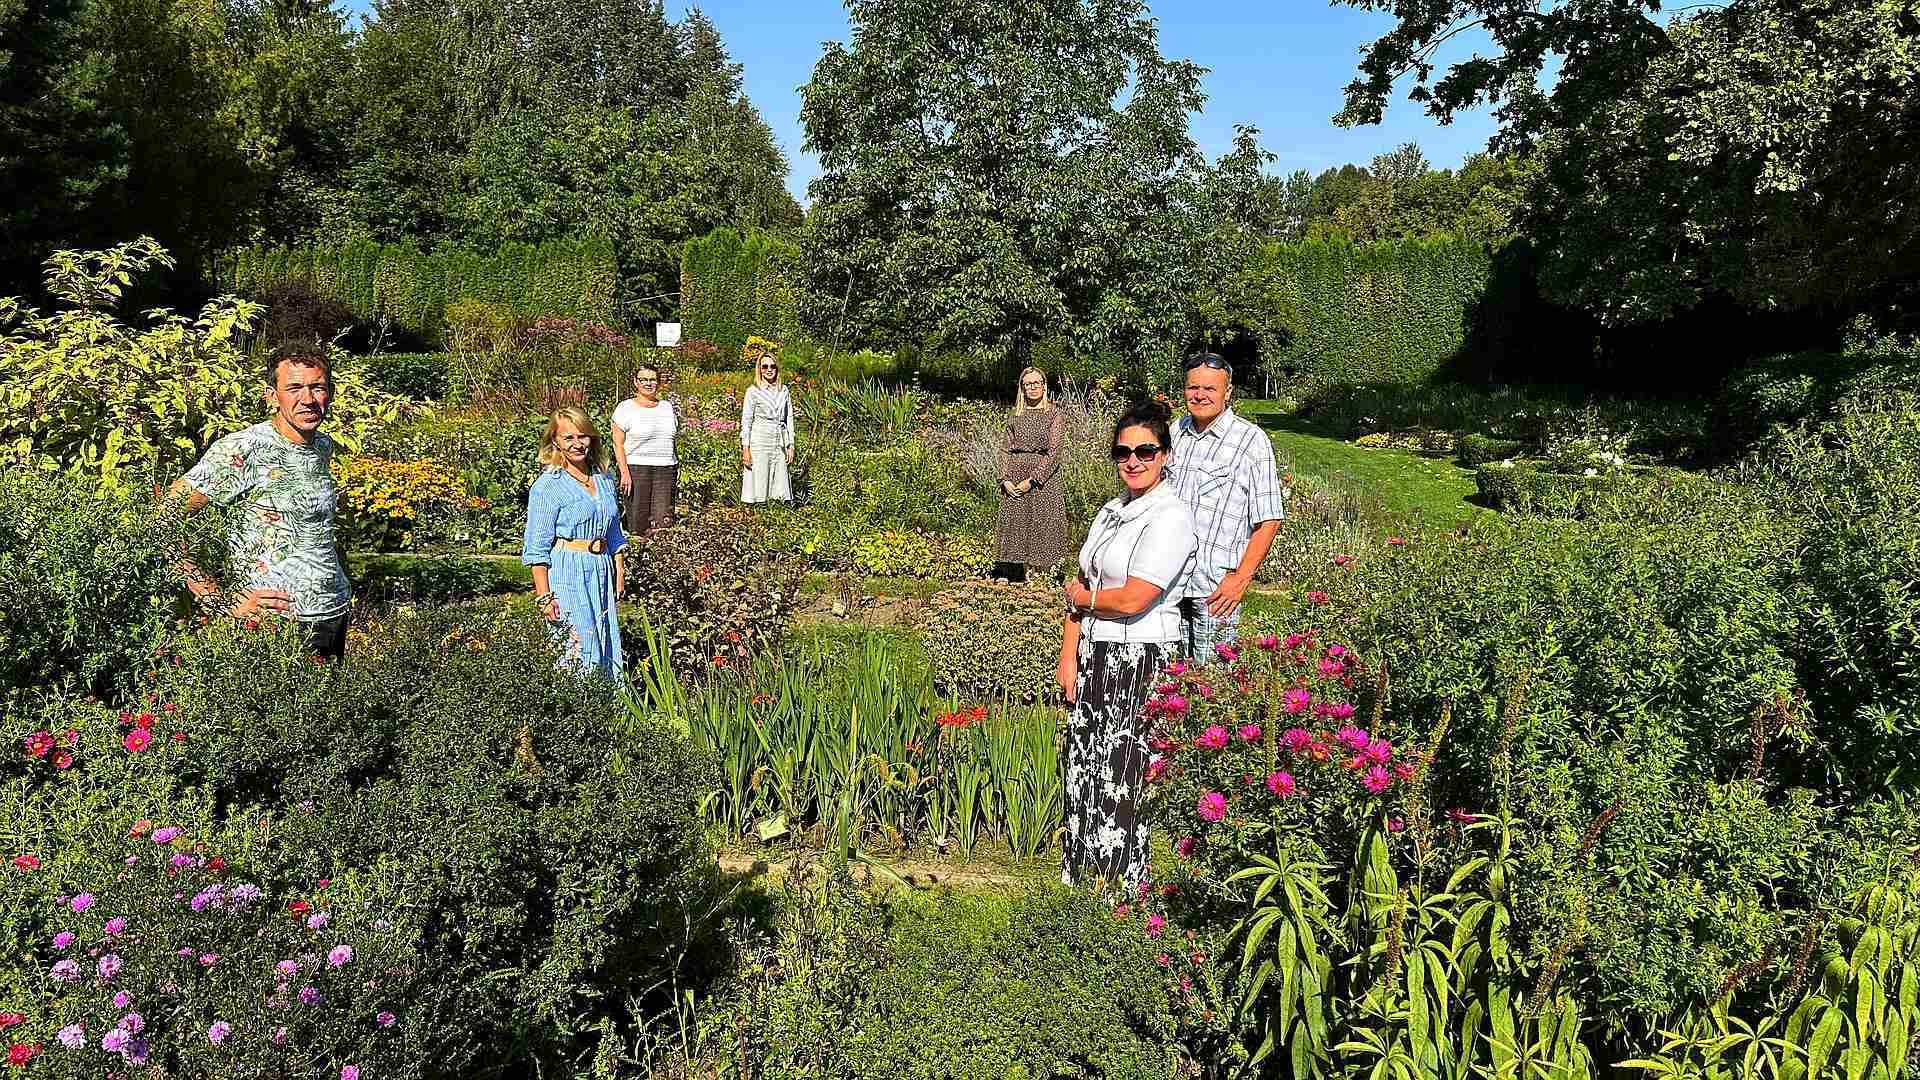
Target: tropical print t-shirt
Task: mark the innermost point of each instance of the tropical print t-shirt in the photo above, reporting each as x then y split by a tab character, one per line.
282	535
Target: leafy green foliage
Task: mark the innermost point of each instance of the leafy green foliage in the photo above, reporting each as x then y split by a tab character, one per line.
987	639
712	591
734	286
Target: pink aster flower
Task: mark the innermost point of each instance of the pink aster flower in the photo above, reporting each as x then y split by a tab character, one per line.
1186	846
1406	770
109	966
1267	643
1317	597
1377	780
1156	769
81	903
62	939
1156	925
1396	824
319	920
1294	641
349	1072
1178	667
309	995
1214	738
1342	560
1340	711
1174	704
1163	960
339	955
137	740
207	960
1281	784
1332	668
218	1031
122	999
1249	732
385	1019
1296	740
1226	652
115	926
65	971
1377	752
1352	738
134	1023
1212	806
166	835
1296	700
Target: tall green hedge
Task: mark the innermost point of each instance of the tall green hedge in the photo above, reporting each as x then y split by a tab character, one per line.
1335	312
412	288
734	284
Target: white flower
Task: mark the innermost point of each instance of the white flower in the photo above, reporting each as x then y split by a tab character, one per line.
1591	472
1507	464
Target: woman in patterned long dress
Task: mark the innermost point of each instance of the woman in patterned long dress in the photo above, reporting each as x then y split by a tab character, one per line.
574	542
766	436
1123	626
1032	532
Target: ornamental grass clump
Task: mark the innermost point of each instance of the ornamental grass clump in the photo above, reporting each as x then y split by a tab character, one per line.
1269	738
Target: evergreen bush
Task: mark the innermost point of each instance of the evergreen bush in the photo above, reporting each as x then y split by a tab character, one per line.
735	285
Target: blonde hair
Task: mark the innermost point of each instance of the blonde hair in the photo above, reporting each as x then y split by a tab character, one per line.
1020	393
550	454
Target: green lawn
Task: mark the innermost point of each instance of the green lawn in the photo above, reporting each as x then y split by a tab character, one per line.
1429	491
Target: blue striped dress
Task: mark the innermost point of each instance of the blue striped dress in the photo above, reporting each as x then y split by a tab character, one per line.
558	508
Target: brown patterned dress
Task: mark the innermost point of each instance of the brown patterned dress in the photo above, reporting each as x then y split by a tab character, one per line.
1033	525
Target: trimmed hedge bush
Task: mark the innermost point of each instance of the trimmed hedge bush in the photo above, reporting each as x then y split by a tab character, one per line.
1527	489
733	285
1474	449
412	288
1334	313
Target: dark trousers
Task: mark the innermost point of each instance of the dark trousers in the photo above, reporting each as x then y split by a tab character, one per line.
650	502
327	638
1012	571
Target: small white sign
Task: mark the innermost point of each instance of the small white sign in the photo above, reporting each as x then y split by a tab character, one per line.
666	334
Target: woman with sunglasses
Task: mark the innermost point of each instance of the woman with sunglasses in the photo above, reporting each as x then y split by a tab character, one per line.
766	436
1122	627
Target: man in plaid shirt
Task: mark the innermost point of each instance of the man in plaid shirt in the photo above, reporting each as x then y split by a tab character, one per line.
1223	468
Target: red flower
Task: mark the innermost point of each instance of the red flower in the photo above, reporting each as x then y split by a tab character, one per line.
136	740
20	1053
144	721
179	736
39	743
141	828
216	863
62	760
8	1020
299	907
72	737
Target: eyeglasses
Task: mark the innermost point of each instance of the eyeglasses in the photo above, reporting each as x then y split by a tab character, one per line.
1144	452
769	367
646	382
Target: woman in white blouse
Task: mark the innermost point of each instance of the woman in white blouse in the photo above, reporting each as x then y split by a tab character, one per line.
766	436
1123	626
643	431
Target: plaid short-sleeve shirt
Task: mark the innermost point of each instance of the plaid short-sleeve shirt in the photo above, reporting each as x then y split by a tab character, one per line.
1229	479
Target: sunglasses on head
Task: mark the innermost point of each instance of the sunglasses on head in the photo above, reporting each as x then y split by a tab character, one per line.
1144	452
1211	360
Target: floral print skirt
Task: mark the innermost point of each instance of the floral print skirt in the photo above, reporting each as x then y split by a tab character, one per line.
1107	762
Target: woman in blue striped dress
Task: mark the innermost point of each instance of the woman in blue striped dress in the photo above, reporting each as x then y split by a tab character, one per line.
574	542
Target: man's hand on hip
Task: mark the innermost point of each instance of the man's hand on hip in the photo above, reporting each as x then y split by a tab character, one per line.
254	601
1225	598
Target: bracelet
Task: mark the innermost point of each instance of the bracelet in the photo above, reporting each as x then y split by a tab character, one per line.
540	600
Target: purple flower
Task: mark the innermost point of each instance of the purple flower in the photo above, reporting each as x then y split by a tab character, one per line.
184	951
66	971
122	999
218	1032
309	995
181	861
62	939
73	1036
349	1072
207	960
339	955
137	1052
115	1041
385	1019
279	1036
81	903
134	1023
166	835
109	966
133	860
319	920
287	968
116	926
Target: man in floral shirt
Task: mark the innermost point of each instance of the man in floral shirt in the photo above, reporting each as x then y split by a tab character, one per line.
282	532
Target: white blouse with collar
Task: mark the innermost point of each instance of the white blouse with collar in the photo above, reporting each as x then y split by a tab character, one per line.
1150	537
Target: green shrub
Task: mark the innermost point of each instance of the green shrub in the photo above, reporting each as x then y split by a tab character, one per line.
734	285
421	376
988	639
894	553
712	590
1527	488
413	579
1805	386
1474	449
1041	983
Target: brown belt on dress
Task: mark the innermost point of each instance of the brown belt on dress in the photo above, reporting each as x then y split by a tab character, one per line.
595	546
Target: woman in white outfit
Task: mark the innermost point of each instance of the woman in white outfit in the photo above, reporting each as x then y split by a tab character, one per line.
766	437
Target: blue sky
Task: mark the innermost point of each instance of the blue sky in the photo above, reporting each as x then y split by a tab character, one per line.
1279	65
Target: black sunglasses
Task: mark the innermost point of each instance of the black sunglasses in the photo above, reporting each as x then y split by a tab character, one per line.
1145	451
1212	360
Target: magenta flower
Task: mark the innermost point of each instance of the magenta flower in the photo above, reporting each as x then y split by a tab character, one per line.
218	1031
1250	733
122	999
1352	738
1156	769
1268	643
62	939
116	926
340	955
1174	704
1377	780
115	1041
65	971
1296	740
1341	711
73	1036
309	995
349	1072
1296	700
1212	806
385	1019
1331	668
1156	925
1336	650
319	920
1186	846
279	1036
1294	641
1178	667
1281	784
1405	771
1396	824
207	960
109	966
1317	597
1214	738
134	1023
1377	751
1226	652
181	861
166	835
81	903
1459	816
1163	960
287	968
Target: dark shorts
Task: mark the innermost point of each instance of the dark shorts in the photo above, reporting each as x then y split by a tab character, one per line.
327	637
